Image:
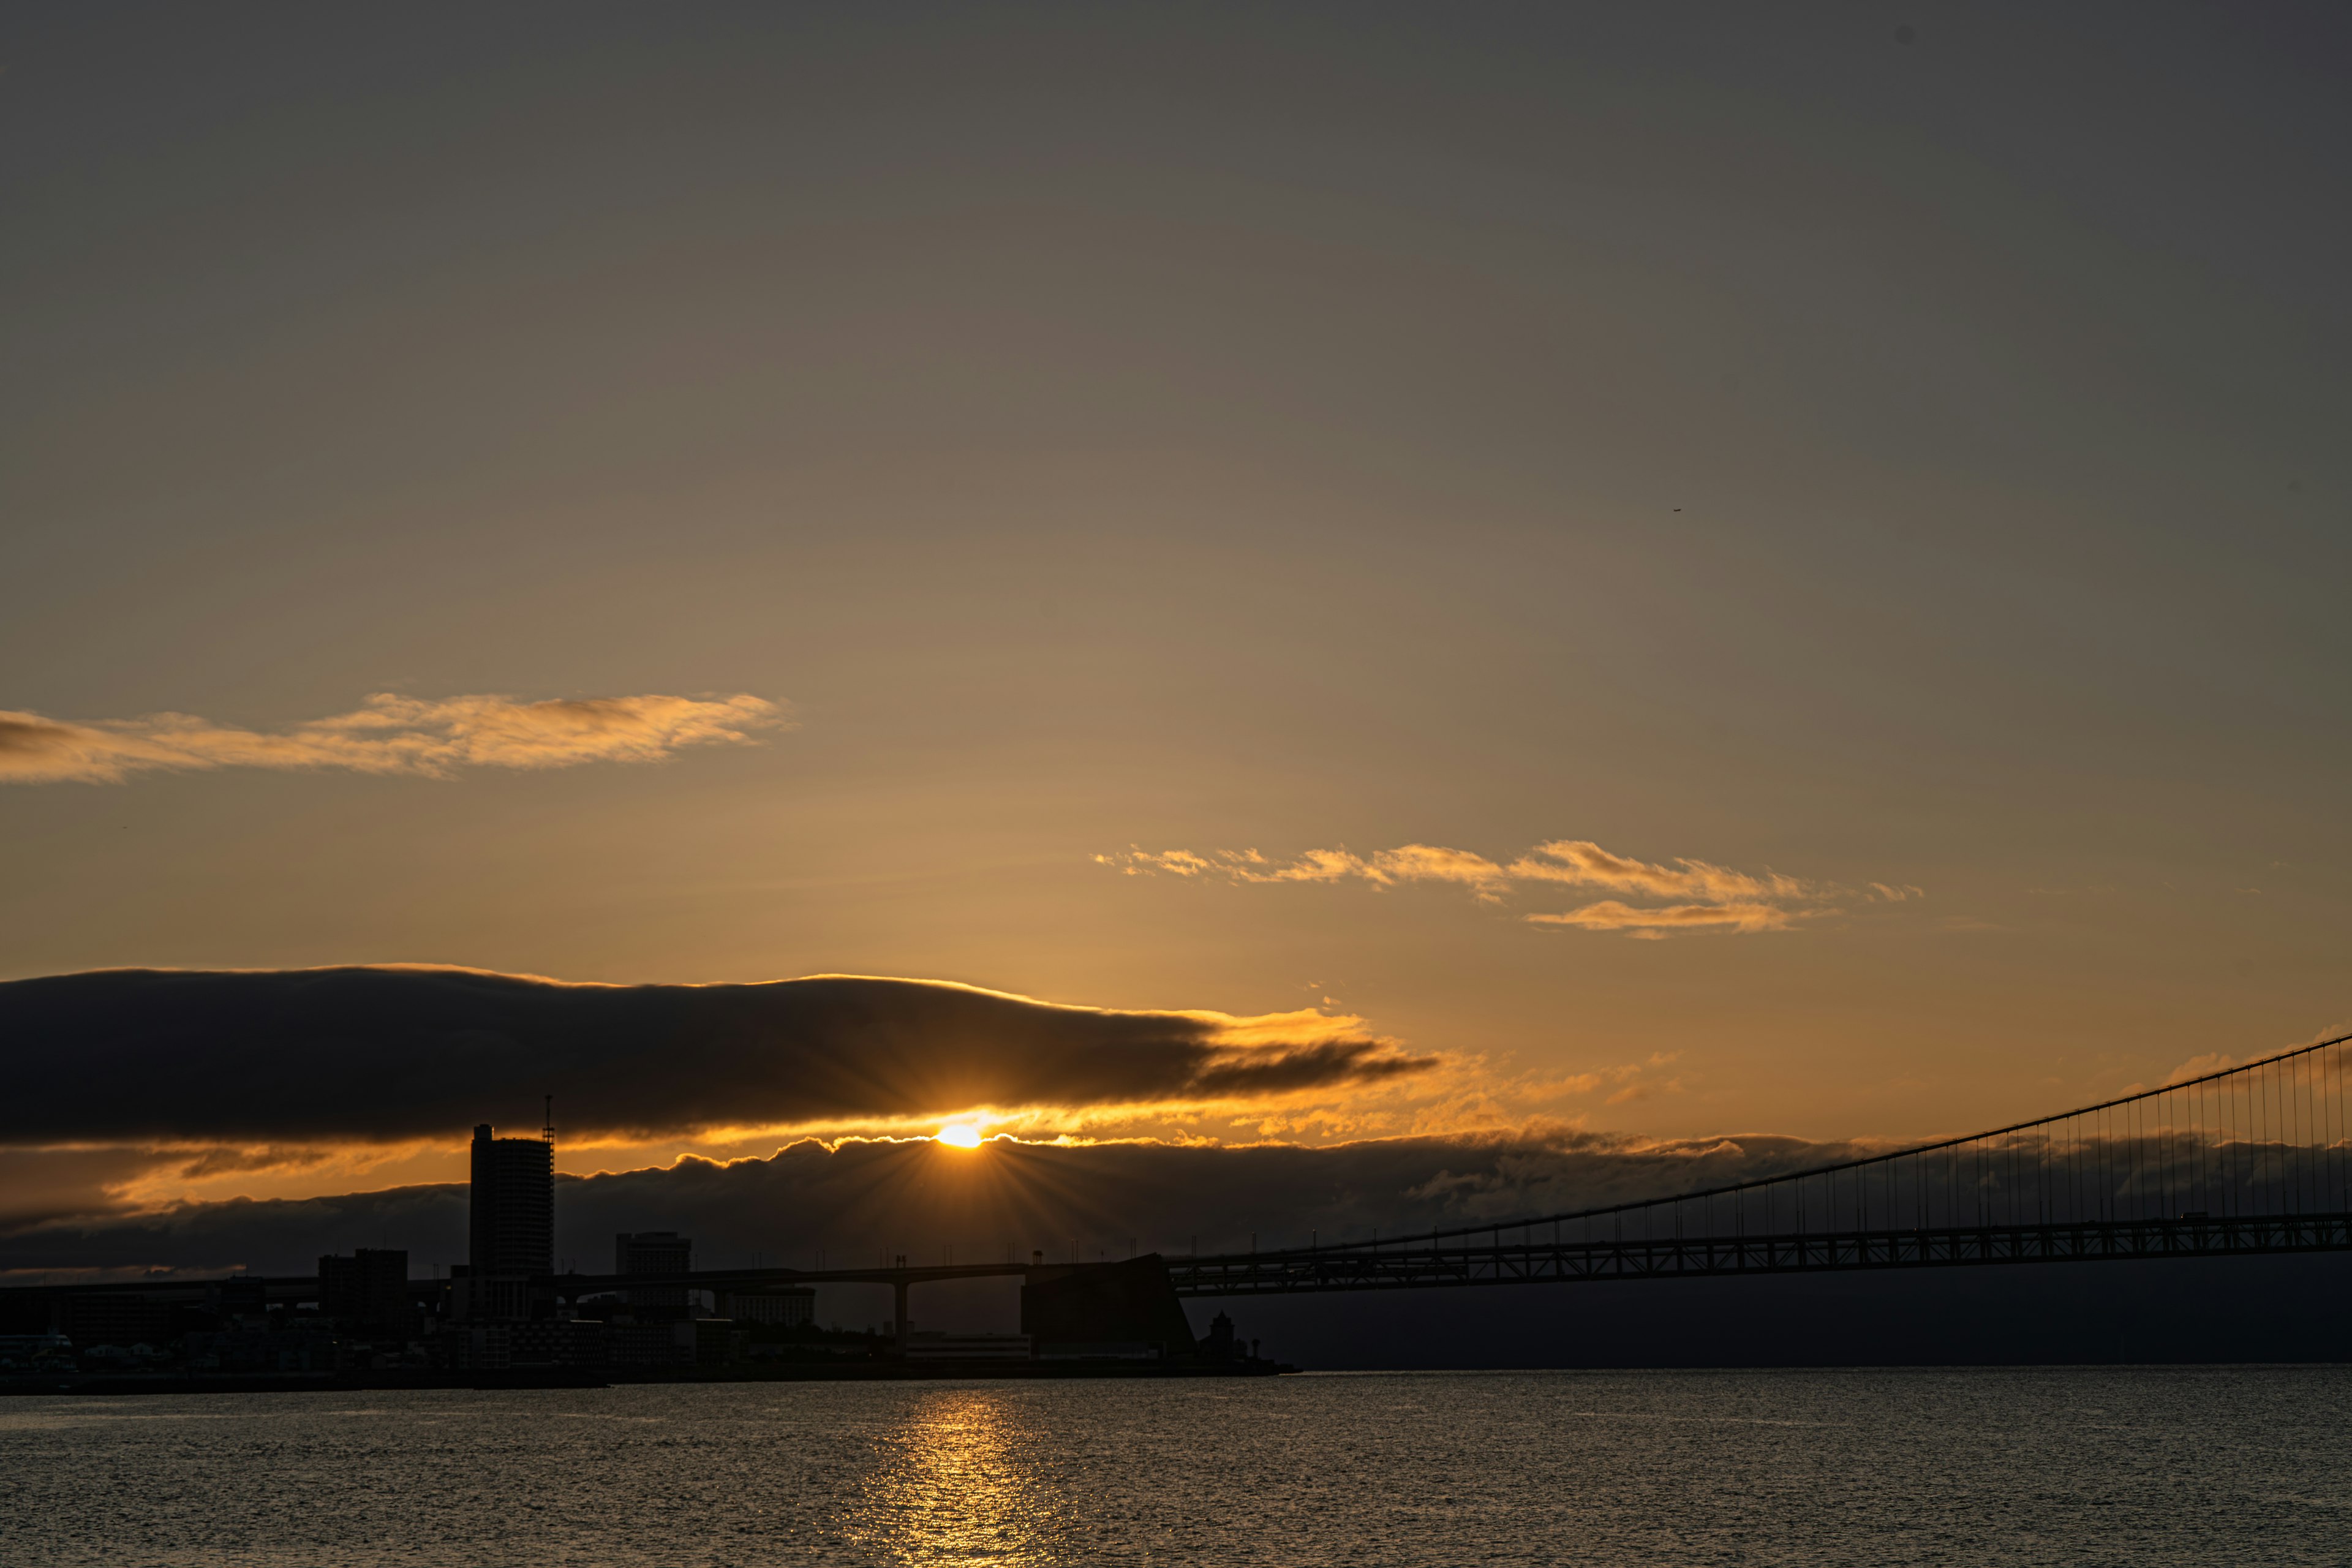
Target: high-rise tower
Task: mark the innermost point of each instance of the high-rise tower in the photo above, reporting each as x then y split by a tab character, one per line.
512	1214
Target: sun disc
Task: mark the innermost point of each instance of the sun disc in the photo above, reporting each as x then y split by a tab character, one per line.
959	1137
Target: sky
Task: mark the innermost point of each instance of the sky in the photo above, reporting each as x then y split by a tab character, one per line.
1490	577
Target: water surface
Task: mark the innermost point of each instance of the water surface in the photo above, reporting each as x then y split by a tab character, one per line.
2124	1466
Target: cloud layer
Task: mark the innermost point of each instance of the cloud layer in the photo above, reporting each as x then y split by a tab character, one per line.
387	1053
387	734
862	1196
1707	897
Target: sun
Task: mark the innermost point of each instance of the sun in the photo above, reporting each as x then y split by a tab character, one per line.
959	1137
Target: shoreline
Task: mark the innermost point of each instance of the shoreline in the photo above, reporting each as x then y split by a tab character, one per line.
120	1384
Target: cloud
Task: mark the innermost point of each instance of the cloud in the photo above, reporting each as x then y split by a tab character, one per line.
1175	862
388	734
1581	861
1314	865
866	1192
386	1054
1609	914
81	1181
1409	863
225	1162
278	1235
1281	1071
865	1195
39	1186
1430	863
1711	897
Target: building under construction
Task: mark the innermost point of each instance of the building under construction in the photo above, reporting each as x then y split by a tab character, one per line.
511	1233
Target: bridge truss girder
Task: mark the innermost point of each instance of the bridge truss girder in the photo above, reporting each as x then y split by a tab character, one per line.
1544	1263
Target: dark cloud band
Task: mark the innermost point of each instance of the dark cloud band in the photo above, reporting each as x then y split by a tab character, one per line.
384	1054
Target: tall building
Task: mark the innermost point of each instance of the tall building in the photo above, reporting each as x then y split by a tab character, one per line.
512	1216
654	1252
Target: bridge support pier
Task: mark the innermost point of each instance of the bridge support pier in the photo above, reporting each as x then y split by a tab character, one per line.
901	1326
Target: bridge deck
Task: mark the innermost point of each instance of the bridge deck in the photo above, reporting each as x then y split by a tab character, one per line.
1421	1266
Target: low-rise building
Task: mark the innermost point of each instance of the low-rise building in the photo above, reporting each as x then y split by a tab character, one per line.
36	1353
547	1342
654	1252
925	1345
114	1317
266	1350
368	1290
695	1342
794	1308
476	1347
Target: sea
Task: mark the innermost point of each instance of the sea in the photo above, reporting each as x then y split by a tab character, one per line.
2059	1466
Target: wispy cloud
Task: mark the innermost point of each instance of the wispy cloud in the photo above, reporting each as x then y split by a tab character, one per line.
1583	862
2199	1066
387	734
1411	863
1695	895
1609	914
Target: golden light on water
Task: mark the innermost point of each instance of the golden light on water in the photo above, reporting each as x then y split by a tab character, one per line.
962	1483
959	1137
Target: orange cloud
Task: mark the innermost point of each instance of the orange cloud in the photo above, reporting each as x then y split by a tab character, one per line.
1610	915
1432	863
1579	860
1711	897
1314	865
1408	863
1175	862
2200	1067
388	734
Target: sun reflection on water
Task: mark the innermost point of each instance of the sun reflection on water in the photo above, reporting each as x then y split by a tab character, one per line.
964	1485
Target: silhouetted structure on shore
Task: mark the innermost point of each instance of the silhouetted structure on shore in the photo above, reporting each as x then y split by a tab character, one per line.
368	1290
511	1211
510	1225
2202	1192
1126	1311
654	1252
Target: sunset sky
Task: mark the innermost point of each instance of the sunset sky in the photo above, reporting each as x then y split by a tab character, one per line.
1529	572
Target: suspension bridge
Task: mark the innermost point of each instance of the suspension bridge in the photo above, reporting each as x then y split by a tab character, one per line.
2248	1160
